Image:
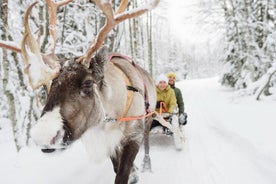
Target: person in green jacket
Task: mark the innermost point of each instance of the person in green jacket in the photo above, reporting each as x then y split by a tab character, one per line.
180	103
165	94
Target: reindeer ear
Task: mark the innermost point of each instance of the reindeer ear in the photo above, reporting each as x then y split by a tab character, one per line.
97	64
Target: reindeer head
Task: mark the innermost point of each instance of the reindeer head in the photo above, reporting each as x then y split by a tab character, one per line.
73	103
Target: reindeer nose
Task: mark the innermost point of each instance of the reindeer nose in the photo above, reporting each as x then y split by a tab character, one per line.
48	150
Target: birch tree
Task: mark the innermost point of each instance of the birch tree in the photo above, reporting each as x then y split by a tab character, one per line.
19	101
77	23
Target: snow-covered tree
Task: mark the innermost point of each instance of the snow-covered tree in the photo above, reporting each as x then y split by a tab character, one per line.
76	25
250	39
18	103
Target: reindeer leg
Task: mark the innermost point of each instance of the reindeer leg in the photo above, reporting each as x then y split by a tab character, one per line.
115	160
146	161
127	157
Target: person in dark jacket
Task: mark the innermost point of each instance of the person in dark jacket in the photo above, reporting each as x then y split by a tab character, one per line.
180	103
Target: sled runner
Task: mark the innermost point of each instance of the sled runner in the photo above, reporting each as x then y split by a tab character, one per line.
170	121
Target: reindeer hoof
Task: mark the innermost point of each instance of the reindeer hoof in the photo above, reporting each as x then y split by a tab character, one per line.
48	150
133	177
146	164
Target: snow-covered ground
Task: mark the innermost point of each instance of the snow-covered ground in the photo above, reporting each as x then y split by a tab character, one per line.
229	139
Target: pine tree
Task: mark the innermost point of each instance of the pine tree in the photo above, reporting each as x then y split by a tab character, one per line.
250	49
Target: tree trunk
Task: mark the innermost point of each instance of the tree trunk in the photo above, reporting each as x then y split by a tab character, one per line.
130	36
6	71
135	33
42	27
149	36
265	86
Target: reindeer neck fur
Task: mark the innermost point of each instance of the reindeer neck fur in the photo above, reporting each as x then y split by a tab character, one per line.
102	140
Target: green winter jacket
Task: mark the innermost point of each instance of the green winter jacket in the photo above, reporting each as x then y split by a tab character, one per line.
167	96
179	99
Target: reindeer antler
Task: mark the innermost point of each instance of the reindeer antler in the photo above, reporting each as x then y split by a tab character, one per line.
35	61
122	6
40	68
38	72
112	19
53	7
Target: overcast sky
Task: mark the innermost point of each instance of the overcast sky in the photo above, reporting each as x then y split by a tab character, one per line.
187	20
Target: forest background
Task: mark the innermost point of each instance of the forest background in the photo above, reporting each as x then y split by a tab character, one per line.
232	39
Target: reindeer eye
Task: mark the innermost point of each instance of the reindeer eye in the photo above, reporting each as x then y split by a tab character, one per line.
86	88
87	83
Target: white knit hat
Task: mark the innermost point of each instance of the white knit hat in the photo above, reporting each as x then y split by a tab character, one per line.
161	77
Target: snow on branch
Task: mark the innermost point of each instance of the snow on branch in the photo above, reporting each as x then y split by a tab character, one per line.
258	87
265	80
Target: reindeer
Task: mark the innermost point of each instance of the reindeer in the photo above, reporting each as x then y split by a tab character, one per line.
101	99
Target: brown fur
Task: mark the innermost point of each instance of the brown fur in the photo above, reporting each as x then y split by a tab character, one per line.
87	96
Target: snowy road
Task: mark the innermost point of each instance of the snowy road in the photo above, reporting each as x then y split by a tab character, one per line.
214	153
228	140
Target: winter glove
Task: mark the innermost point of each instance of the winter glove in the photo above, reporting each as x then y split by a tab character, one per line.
183	118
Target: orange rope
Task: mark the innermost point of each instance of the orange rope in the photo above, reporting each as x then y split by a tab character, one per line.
163	108
131	118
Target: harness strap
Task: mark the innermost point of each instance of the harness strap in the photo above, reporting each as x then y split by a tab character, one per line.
125	119
130	93
146	95
135	89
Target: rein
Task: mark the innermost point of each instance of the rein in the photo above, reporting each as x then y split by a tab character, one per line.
163	108
125	119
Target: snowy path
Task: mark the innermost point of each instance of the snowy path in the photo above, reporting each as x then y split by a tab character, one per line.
227	142
213	153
